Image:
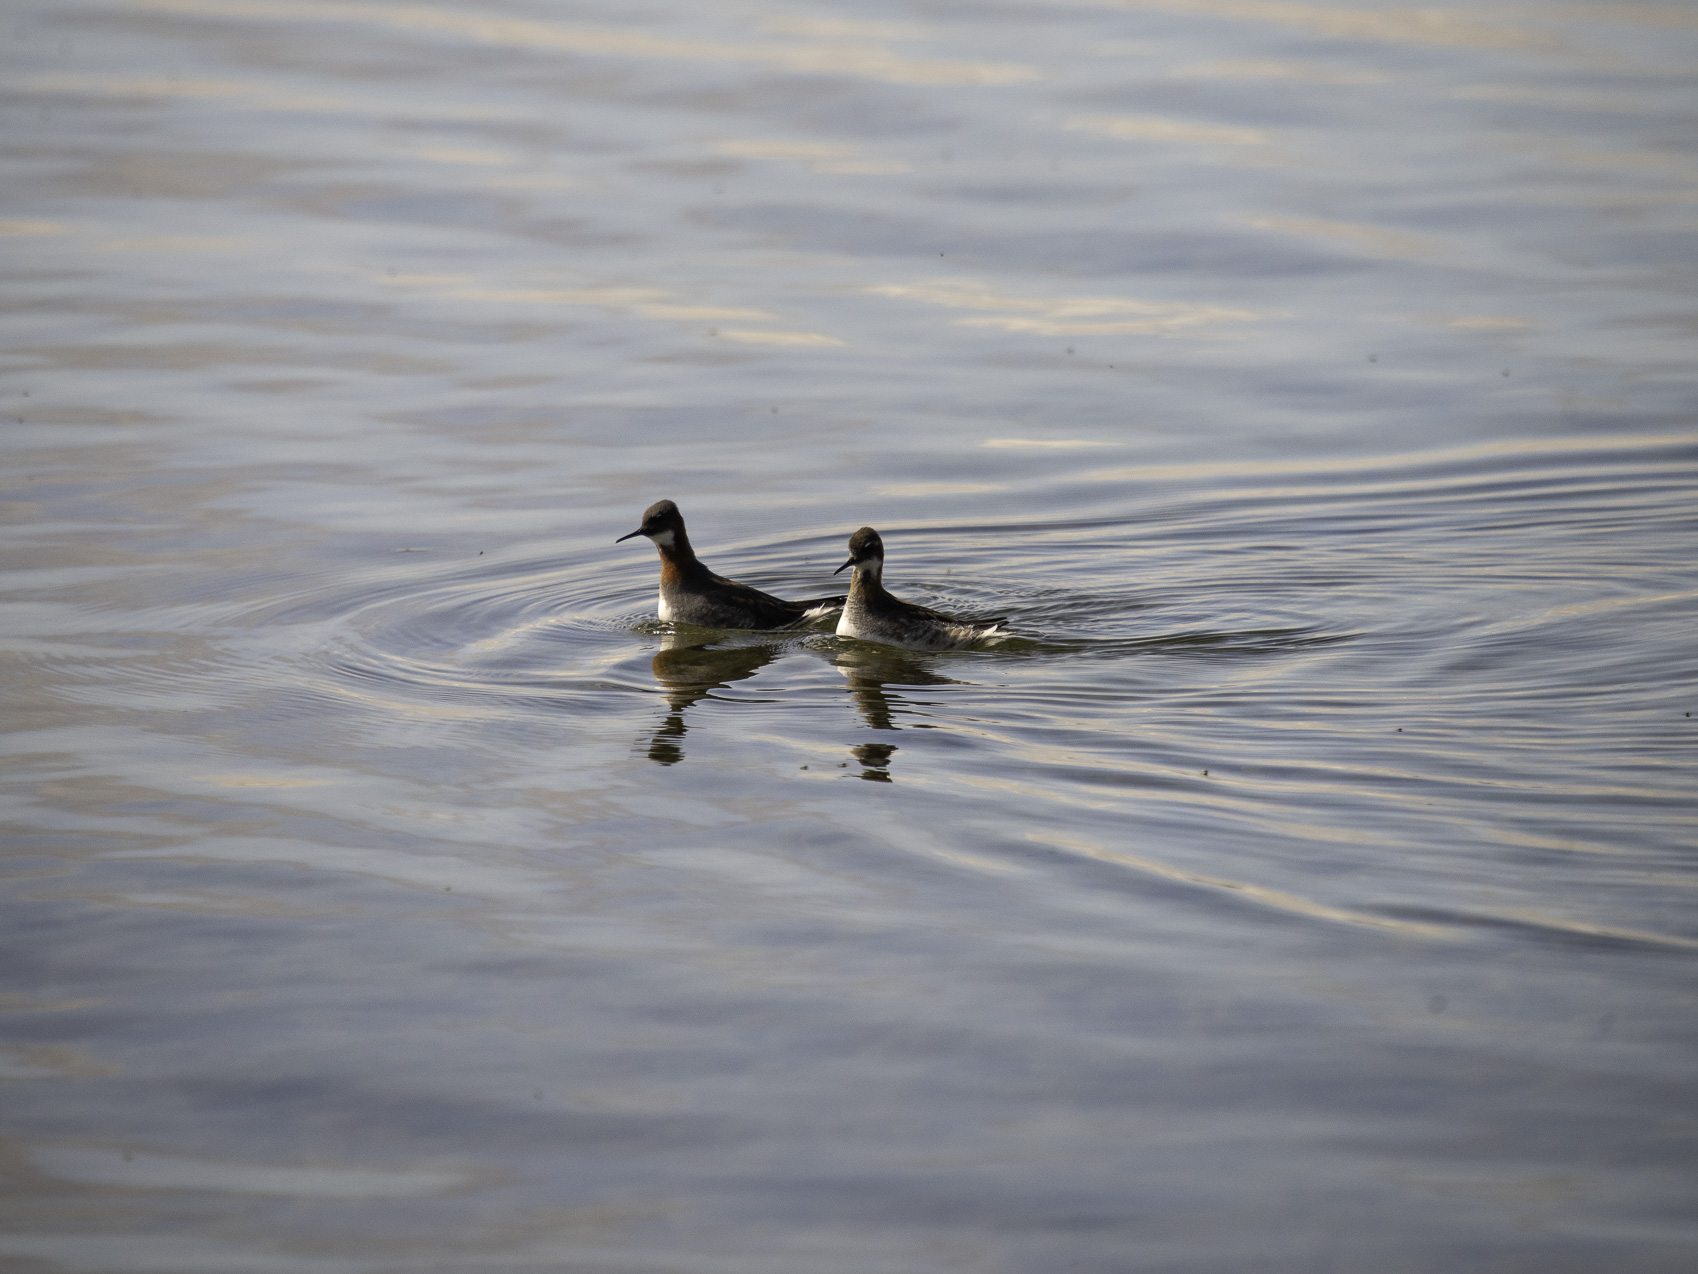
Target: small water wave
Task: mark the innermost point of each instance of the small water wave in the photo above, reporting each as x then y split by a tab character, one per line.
528	629
1312	390
1277	659
525	635
1265	563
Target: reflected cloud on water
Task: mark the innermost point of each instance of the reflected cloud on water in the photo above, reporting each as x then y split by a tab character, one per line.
1417	26
840	49
1065	315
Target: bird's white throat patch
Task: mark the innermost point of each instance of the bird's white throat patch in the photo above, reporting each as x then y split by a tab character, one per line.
664	538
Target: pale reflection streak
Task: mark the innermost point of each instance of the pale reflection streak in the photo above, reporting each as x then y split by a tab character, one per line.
1267	69
975	862
481	876
1648	15
1063	315
141	1253
1608	604
1441	27
1400	245
1488	323
1659	179
262	97
1558	924
1244	796
1247	799
1156	128
144	1170
842	28
754	336
1567	845
462	155
916	490
655	303
1275	898
513	171
1546	1188
1038	794
1455	458
18	1002
837	58
636	302
177	243
1047	444
362	799
831	158
132	86
22	227
1564	99
50	1061
200	901
266	781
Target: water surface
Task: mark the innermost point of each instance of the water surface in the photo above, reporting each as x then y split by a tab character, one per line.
1305	885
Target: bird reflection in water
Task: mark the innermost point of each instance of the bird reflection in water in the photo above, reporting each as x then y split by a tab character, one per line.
689	670
869	670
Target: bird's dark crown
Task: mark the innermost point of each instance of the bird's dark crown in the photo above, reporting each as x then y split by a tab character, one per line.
661	513
659	518
865	543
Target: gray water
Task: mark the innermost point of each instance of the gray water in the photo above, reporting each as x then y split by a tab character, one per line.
1305	885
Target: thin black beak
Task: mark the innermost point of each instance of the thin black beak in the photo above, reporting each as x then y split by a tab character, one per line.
844	567
623	538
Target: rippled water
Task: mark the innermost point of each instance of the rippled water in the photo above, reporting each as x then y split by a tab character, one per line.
1305	885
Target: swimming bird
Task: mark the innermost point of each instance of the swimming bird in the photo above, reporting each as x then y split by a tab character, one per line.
692	594
872	614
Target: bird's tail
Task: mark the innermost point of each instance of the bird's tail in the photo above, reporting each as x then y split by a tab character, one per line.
819	608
